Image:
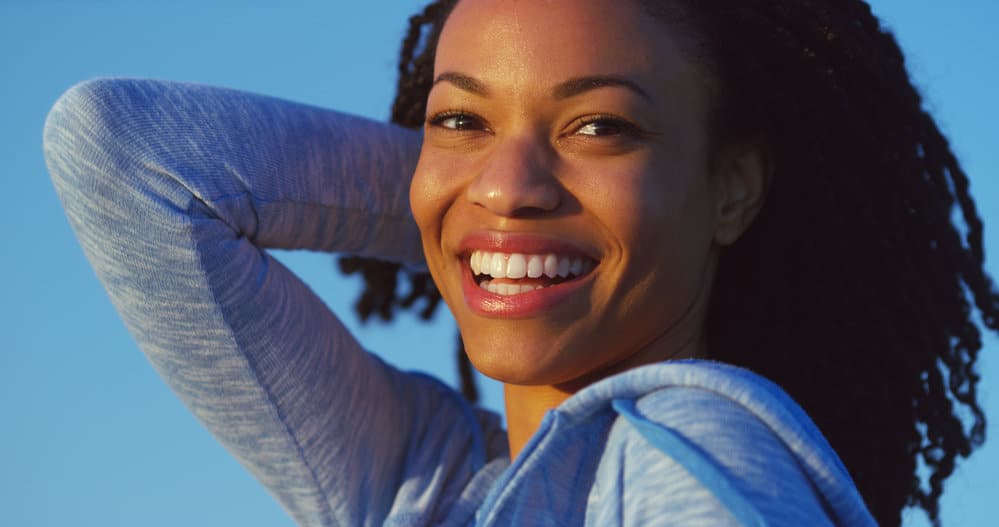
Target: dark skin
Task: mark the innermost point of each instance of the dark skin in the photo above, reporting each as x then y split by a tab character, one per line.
558	132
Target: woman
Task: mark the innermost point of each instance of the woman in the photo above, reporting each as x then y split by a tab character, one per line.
641	181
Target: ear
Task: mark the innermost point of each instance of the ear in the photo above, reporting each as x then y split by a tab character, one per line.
742	176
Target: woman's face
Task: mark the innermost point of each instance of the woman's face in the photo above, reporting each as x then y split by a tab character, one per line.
563	191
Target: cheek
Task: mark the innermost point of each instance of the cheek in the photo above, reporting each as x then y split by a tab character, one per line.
429	196
640	209
419	200
636	202
660	215
434	196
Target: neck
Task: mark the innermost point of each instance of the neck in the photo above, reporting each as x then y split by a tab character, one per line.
526	405
525	408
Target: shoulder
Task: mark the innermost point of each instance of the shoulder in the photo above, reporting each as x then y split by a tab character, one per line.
722	445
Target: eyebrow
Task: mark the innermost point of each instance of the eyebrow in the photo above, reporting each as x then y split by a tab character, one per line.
464	82
564	90
579	85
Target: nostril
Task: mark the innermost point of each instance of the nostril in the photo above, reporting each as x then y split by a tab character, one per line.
529	212
513	186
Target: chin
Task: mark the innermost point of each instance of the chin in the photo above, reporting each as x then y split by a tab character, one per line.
525	365
505	366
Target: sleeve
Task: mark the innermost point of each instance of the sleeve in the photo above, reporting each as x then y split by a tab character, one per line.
690	456
174	191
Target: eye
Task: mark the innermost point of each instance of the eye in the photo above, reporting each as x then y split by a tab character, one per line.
457	120
600	126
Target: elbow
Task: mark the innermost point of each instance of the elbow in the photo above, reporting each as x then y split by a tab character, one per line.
99	128
93	144
82	134
100	139
77	137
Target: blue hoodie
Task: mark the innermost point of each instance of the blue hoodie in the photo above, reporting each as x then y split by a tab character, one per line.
176	191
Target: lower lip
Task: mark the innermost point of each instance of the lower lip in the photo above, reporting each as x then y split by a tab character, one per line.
522	305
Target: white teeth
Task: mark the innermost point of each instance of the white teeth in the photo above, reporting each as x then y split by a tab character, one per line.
497	266
516	266
535	266
475	261
509	289
551	266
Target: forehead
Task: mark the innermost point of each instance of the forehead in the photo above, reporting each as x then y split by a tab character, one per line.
538	43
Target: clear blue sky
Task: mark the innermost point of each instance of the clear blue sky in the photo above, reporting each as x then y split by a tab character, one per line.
89	435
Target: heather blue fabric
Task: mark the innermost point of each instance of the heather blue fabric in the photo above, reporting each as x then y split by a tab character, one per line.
176	190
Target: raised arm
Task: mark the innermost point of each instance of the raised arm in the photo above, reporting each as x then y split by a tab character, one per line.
174	190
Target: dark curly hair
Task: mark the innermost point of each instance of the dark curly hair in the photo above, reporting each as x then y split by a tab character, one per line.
854	289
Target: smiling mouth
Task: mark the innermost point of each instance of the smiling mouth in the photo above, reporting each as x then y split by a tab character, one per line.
510	274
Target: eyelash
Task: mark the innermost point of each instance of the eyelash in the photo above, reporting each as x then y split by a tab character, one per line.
624	127
439	119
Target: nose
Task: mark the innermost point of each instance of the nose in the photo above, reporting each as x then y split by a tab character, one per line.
516	180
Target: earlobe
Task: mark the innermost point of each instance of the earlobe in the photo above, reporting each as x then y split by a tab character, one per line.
743	176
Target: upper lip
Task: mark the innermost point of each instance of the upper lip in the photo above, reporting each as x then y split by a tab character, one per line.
523	243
